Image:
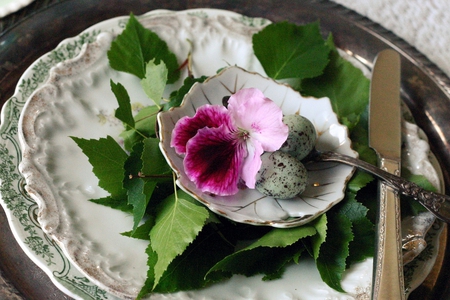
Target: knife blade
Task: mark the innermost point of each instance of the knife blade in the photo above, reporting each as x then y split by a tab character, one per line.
385	139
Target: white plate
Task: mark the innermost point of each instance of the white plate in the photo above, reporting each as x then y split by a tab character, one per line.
89	233
9	6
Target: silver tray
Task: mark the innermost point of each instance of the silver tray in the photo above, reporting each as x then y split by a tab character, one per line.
426	90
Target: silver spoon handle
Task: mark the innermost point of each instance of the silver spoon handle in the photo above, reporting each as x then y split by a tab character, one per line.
438	204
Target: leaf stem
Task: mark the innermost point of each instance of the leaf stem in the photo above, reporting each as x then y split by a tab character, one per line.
141	175
217	230
175	192
189	60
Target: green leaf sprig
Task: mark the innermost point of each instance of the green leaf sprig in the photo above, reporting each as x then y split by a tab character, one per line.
190	247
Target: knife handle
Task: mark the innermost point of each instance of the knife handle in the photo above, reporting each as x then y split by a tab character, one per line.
388	280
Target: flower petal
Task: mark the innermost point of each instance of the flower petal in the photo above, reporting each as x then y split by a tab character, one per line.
205	116
252	163
260	116
214	160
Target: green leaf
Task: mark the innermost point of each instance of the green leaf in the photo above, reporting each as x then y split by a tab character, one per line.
268	255
188	271
107	159
362	245
148	286
321	226
420	180
409	206
124	112
139	190
367	196
145	124
358	181
120	204
344	84
178	222
286	50
136	46
176	97
154	81
154	164
360	138
145	120
283	237
142	231
333	254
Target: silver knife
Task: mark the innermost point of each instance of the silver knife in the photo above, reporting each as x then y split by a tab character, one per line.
385	139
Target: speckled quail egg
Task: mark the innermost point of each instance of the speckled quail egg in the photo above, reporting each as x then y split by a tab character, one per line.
302	136
281	175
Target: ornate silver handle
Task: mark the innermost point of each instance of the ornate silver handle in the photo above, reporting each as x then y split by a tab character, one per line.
438	204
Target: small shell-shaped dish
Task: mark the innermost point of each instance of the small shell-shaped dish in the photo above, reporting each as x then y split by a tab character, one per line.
326	182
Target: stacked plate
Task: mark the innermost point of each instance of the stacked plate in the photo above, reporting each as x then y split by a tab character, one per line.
78	243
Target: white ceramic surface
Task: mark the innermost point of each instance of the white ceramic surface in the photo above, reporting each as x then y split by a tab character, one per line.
9	6
77	102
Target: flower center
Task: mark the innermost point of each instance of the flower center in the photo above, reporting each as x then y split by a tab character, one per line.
243	134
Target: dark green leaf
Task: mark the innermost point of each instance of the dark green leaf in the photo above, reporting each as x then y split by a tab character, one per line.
409	206
107	159
367	196
286	50
139	190
120	204
362	246
344	84
176	97
123	112
321	226
142	231
152	258
154	166
136	46
333	254
188	271
358	181
268	255
360	138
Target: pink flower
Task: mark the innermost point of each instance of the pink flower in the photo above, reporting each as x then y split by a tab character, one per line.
223	146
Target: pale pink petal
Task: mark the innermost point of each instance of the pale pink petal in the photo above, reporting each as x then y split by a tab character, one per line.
214	159
260	116
252	163
205	116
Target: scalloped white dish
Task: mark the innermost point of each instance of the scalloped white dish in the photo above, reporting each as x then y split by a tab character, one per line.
326	182
75	100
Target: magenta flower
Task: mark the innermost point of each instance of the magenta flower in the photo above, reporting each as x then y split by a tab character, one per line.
223	146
